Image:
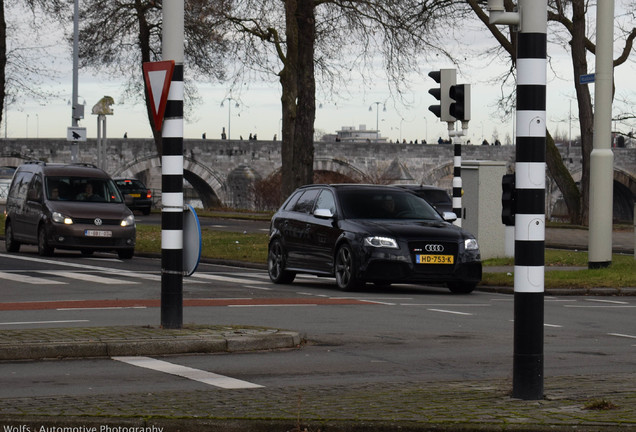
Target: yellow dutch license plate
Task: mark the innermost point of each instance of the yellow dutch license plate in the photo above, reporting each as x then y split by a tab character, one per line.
434	259
135	195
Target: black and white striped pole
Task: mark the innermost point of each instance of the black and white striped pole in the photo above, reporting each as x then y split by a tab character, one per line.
457	173
529	192
172	172
530	200
460	110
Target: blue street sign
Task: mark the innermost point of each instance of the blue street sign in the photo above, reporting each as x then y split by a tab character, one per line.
586	79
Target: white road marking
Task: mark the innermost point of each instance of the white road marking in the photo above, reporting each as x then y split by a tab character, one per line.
32	280
88	277
258	288
187	372
226	278
600	306
446	304
622	335
271	305
43	322
608	301
450	312
101	308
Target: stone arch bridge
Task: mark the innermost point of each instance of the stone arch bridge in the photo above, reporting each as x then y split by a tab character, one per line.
225	172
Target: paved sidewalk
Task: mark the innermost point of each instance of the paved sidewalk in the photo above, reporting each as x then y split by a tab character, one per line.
581	403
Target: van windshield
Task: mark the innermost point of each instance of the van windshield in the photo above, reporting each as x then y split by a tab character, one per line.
66	188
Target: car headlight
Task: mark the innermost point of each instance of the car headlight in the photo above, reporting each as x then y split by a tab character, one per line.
60	218
128	221
381	242
471	244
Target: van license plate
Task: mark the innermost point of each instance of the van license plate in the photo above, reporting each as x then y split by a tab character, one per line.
434	259
98	233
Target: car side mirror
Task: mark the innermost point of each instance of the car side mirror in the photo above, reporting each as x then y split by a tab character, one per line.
323	213
32	195
449	216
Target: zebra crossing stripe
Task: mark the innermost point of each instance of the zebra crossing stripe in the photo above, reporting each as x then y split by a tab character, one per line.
32	280
202	376
226	279
88	277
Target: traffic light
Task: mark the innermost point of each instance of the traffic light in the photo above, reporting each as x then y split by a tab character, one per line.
460	109
446	79
508	197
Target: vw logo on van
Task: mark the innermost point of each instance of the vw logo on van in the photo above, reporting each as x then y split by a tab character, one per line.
434	248
97	221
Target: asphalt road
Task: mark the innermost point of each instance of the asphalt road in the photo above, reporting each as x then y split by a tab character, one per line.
393	335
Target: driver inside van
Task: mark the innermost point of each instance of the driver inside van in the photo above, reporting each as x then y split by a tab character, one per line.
88	194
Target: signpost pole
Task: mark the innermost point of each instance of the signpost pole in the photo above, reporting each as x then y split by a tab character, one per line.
602	157
527	381
172	172
74	108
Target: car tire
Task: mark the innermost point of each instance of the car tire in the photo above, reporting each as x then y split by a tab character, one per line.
345	269
9	242
276	264
461	287
44	249
145	211
125	254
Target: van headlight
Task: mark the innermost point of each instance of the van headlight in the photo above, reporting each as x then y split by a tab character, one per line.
381	242
60	218
471	244
128	221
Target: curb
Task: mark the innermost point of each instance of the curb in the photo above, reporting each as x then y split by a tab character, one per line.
230	341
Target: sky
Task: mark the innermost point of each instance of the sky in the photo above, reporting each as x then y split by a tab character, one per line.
259	111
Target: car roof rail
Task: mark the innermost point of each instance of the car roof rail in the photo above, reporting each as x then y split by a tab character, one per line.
84	164
38	162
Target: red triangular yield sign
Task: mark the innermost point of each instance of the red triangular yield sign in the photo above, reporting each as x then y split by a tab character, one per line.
158	76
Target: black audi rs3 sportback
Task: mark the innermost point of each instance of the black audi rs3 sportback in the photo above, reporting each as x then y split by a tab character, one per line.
369	233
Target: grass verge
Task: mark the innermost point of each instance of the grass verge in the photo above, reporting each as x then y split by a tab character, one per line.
234	246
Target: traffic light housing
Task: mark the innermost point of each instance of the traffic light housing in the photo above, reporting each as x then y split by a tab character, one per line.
446	78
508	198
460	108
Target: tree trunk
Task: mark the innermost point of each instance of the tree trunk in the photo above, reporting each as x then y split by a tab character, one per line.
3	58
289	97
586	116
303	163
564	181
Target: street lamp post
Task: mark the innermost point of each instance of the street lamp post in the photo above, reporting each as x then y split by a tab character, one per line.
229	110
377	118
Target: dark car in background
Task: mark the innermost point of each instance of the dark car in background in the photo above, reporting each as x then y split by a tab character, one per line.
369	233
435	196
136	195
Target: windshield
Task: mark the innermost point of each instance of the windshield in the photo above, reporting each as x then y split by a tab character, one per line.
82	189
385	204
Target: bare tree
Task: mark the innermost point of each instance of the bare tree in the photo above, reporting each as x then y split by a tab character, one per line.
572	29
117	37
19	78
323	42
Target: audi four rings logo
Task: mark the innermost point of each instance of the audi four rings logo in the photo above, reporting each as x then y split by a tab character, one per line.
98	221
434	248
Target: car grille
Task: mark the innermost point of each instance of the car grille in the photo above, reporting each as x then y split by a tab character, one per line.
434	248
91	221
